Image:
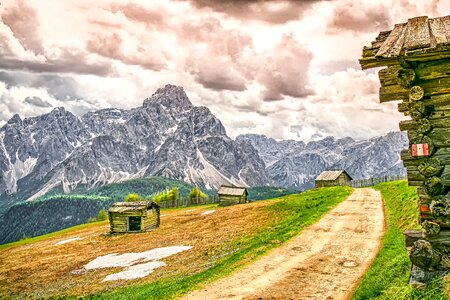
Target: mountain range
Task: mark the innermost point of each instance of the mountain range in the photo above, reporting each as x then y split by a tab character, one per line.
295	164
168	136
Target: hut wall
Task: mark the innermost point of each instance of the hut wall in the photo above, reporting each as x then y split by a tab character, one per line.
150	219
326	183
243	198
119	221
417	55
226	200
344	180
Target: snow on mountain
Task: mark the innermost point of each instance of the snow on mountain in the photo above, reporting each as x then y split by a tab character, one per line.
296	164
166	136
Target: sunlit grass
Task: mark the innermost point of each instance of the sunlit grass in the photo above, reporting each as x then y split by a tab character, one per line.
388	276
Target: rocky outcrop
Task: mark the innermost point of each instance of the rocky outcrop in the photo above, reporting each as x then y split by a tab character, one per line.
166	136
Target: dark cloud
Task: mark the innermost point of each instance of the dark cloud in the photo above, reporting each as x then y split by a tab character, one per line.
36	101
60	87
135	12
23	22
110	46
359	17
216	79
233	63
219	65
67	62
276	12
285	70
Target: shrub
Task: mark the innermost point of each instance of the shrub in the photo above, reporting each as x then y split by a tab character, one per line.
196	193
102	215
168	195
132	198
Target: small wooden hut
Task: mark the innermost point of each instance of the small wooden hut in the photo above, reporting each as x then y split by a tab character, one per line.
333	178
230	195
133	216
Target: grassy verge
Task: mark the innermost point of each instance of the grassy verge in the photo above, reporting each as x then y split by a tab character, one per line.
292	214
387	278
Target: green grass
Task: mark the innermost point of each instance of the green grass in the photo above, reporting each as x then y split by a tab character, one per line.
292	213
387	277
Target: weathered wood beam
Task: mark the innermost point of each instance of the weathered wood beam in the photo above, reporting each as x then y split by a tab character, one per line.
433	69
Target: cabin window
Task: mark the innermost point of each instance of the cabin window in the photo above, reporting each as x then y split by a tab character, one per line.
134	223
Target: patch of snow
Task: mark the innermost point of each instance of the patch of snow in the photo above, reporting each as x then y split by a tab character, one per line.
50	185
208	212
76	145
67	218
171	130
68	241
189	210
168	132
17	171
163	215
399	161
107	175
128	259
136	265
209	174
136	271
159	146
119	121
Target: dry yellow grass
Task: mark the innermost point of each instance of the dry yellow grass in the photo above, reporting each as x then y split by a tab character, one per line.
41	269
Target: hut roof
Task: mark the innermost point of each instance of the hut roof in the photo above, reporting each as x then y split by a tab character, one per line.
331	175
130	206
231	190
418	39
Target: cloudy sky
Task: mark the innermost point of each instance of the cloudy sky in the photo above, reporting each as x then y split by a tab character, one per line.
287	69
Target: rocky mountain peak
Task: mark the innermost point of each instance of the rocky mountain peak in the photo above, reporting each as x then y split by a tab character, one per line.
170	96
15	120
166	136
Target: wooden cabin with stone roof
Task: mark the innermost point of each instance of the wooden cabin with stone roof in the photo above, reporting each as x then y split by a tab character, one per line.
230	195
137	216
333	178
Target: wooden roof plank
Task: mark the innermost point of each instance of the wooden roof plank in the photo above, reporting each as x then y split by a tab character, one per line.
231	190
446	27
438	30
330	175
398	45
417	33
396	33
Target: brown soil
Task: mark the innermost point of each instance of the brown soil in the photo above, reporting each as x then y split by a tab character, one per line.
42	269
326	261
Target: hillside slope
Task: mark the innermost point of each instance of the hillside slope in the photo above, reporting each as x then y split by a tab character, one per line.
213	241
57	211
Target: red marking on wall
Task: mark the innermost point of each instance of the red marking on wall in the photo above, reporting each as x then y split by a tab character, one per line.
420	150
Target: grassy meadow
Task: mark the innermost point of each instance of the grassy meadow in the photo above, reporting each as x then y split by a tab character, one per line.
222	242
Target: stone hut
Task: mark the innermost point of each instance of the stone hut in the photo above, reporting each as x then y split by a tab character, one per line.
333	178
133	216
416	60
230	195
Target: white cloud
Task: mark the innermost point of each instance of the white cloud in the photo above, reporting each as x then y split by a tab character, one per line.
301	54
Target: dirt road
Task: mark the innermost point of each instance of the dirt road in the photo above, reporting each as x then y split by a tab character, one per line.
325	261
